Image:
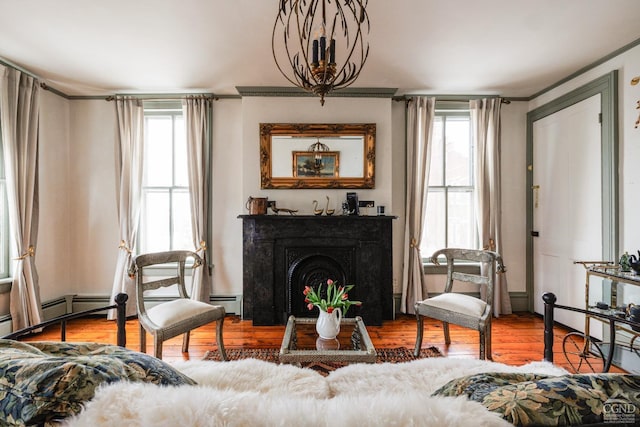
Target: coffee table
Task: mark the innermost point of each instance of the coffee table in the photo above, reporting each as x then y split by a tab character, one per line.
301	343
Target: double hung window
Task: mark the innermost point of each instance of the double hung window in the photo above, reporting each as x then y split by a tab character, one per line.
165	221
450	216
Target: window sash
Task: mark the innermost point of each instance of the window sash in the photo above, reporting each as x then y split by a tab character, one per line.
441	229
165	199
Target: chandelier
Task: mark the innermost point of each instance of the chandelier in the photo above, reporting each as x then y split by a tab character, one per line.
323	42
318	148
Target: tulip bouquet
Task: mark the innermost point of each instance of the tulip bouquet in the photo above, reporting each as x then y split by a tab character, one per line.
337	297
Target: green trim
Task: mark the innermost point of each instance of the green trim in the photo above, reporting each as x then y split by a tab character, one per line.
5	287
591	66
293	91
607	87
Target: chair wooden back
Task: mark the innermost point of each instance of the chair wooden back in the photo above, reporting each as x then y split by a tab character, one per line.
159	258
491	263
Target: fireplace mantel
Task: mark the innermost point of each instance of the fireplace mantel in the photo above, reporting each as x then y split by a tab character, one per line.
282	254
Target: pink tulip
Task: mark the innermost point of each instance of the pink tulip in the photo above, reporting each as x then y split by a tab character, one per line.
310	306
307	289
329	282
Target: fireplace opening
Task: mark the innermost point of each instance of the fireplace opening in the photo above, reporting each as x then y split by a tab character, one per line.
314	270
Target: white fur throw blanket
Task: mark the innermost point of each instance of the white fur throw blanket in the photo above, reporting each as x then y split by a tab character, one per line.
257	393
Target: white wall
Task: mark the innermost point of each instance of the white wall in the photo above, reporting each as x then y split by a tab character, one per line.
77	163
92	213
53	249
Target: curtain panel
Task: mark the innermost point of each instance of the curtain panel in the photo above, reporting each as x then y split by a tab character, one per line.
129	154
197	114
485	124
420	114
19	115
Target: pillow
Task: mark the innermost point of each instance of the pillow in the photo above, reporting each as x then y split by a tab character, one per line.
42	381
529	399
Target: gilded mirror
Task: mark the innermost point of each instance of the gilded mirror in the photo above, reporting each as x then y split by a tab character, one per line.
306	155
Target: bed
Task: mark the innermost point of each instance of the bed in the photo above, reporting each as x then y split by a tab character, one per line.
88	384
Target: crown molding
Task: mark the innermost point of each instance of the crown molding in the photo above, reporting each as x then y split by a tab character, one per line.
292	91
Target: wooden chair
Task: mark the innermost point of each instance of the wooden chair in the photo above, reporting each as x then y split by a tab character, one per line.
462	309
178	316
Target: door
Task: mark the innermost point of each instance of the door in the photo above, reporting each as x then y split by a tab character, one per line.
567	205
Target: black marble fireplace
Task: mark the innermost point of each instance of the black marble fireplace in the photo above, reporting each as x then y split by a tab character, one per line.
282	254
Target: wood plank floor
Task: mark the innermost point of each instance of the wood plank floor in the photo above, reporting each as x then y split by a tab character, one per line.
517	338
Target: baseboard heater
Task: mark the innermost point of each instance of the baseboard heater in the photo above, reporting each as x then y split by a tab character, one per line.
75	303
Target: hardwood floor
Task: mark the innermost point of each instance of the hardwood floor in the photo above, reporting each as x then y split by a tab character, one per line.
517	338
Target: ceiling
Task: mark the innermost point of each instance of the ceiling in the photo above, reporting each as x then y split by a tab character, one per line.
513	48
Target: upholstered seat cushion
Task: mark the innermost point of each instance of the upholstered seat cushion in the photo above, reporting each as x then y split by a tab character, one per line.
172	312
459	303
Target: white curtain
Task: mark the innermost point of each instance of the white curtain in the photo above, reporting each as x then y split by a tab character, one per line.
129	152
197	114
19	109
485	124
420	113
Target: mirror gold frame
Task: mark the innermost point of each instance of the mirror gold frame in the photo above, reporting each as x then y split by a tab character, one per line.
310	130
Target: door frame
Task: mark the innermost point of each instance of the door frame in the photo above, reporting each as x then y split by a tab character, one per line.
607	87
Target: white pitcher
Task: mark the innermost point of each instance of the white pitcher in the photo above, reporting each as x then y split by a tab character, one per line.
328	325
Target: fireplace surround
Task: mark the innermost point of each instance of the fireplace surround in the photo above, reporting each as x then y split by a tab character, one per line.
282	254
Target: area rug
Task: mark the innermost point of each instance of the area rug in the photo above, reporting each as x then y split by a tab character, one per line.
384	355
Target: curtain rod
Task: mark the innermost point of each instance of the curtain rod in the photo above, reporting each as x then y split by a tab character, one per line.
164	97
409	98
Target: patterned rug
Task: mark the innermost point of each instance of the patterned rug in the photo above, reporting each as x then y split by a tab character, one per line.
384	355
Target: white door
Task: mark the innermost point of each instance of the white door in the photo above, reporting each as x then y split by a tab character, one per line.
567	205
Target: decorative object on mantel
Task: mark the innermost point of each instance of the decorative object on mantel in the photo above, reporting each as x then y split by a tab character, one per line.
337	298
277	210
317	211
304	38
327	210
256	205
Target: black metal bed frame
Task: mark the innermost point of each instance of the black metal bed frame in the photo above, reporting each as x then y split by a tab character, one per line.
121	318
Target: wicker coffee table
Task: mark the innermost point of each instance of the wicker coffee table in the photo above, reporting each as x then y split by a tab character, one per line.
301	343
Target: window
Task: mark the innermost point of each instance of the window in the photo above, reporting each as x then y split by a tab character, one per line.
450	217
4	221
165	221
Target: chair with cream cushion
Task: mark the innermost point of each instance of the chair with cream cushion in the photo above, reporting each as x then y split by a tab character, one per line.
178	316
458	308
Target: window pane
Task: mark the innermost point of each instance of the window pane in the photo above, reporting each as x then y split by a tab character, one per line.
155	222
458	167
437	161
461	227
182	235
433	235
158	153
181	179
